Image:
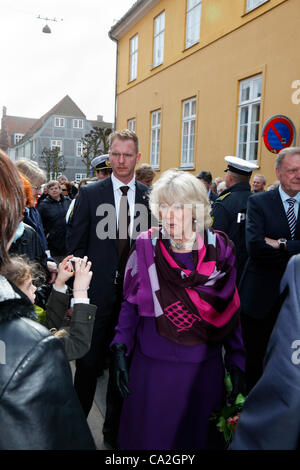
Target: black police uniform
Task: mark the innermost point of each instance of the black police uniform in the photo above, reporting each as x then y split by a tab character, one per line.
229	216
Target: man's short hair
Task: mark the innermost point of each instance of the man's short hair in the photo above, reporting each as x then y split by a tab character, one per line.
124	134
261	176
205	175
282	154
144	171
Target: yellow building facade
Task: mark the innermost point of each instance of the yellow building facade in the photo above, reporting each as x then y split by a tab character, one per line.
197	80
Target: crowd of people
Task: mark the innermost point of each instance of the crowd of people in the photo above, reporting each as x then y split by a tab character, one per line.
172	286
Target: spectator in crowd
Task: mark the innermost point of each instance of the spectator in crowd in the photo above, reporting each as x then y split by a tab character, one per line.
62	178
77	337
175	277
273	185
215	183
221	187
66	189
272	237
109	255
43	195
53	214
259	183
270	417
101	165
36	177
145	174
38	405
206	178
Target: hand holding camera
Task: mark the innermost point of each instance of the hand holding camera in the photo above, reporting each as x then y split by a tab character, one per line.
80	269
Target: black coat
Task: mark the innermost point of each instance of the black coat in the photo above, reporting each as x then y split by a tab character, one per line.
271	416
229	216
259	286
39	408
30	245
103	253
53	214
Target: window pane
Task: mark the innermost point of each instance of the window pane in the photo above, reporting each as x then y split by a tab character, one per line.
254	132
253	151
193	107
243	133
245	95
256	88
244	115
242	150
186	109
255	112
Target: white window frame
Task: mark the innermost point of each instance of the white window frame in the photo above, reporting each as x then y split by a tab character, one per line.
252	4
59	122
155	138
57	144
159	39
248	104
193	22
54	176
188	122
79	177
133	59
79	148
17	138
77	123
131	124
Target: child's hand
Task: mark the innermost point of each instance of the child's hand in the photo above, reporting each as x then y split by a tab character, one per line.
65	272
83	277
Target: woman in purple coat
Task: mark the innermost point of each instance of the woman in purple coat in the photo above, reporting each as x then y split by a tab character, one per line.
181	309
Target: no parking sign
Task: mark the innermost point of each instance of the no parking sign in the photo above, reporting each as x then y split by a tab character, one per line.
278	133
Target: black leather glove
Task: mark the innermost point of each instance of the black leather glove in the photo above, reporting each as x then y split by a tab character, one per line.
238	381
120	368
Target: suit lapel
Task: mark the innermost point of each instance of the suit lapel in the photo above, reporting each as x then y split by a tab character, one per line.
109	198
280	214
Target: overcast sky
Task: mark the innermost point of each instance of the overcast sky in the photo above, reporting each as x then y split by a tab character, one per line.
77	58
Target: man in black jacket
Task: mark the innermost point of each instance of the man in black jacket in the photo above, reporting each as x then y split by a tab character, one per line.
96	233
272	237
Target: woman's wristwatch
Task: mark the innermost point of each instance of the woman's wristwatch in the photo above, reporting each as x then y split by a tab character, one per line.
282	243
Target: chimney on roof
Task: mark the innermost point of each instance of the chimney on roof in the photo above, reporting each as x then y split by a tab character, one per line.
100	118
4	109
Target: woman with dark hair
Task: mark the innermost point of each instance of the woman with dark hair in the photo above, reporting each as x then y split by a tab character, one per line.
38	405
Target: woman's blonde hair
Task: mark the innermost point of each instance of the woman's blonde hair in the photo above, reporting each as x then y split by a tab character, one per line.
175	186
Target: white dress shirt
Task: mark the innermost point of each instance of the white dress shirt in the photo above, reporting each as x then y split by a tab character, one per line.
286	205
130	196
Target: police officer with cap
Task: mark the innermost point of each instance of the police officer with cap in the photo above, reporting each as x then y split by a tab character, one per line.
229	210
102	166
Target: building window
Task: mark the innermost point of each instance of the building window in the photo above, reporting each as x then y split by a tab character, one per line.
193	20
248	120
155	138
54	175
79	148
56	144
251	4
59	122
188	133
159	39
18	137
133	58
131	125
79	177
78	123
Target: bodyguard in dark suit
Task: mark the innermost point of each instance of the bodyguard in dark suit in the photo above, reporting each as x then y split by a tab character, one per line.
229	210
271	416
96	233
272	237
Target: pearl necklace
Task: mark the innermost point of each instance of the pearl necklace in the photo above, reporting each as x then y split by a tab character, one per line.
188	245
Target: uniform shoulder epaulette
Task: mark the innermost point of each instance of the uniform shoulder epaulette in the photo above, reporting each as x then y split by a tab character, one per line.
221	198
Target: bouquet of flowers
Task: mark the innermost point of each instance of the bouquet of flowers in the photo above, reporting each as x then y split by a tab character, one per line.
227	419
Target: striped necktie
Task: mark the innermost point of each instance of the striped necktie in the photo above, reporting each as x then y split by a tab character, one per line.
291	216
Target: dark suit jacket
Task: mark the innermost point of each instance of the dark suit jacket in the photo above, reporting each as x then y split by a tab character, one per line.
270	419
259	286
90	217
